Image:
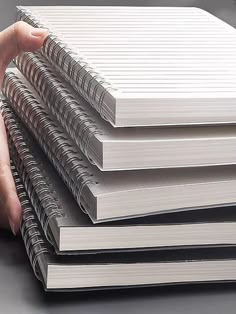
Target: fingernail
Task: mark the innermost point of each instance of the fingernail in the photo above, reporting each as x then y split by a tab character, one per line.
13	227
38	32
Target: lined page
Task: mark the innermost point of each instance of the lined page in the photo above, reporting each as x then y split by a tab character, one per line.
146	51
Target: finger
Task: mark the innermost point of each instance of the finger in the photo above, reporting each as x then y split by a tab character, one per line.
4	223
14	40
17	38
8	195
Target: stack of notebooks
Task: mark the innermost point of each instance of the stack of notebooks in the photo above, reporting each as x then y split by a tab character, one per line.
122	137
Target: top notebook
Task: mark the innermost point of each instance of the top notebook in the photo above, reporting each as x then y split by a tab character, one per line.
144	66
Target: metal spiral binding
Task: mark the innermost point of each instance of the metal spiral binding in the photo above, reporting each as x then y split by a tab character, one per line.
34	243
73	67
60	150
39	191
67	110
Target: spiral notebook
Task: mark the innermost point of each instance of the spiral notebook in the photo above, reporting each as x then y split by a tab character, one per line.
125	148
143	66
117	195
121	270
69	230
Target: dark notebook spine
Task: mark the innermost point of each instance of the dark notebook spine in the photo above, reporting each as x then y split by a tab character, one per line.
35	182
35	244
66	158
63	105
74	68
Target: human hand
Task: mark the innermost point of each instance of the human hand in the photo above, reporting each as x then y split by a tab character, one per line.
13	40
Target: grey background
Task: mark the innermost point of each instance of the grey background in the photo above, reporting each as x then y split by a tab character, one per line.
225	9
21	293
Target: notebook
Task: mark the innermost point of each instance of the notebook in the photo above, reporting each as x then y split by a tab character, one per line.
109	196
143	66
70	231
125	148
85	272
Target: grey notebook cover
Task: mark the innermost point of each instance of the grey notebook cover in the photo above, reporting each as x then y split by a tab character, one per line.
42	256
108	196
56	209
125	148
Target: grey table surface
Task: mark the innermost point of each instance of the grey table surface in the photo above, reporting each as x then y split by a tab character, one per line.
20	292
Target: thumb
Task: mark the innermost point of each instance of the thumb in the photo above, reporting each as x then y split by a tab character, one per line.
17	38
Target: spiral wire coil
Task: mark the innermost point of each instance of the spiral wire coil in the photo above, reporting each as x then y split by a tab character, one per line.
63	105
73	67
34	243
39	190
60	150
